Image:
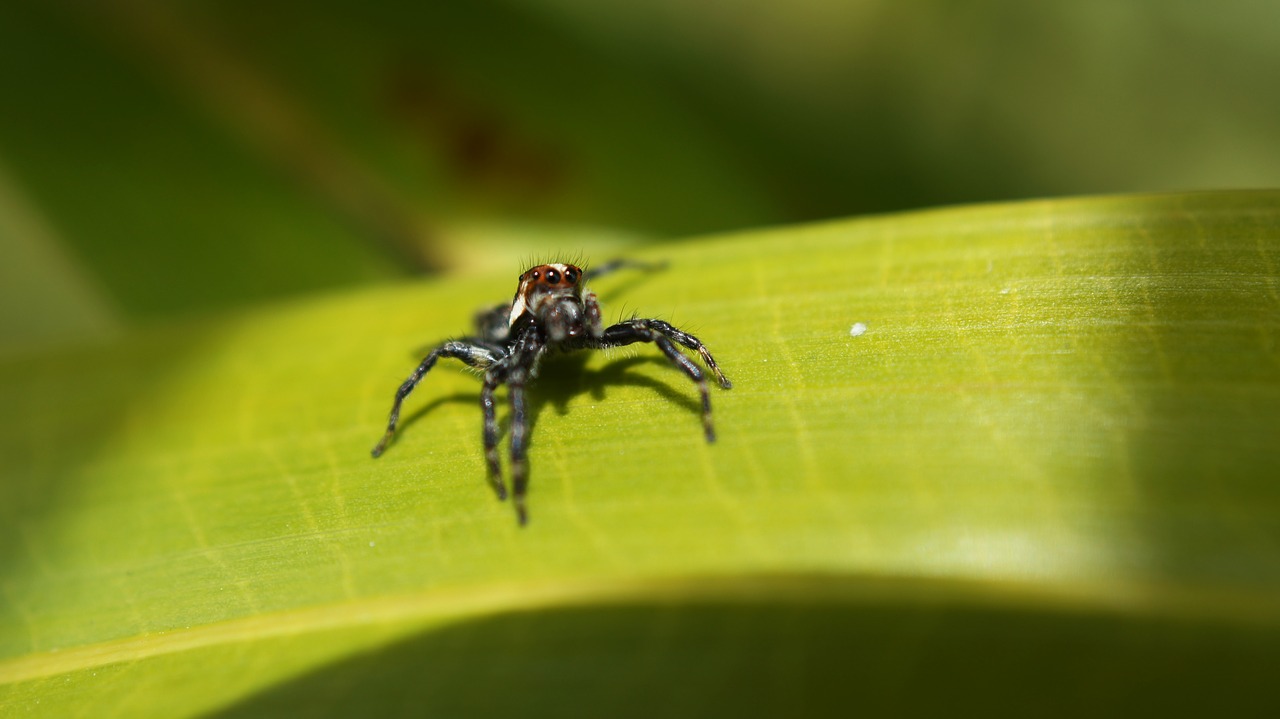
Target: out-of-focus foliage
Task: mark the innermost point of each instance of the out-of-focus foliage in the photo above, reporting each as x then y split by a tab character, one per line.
867	105
192	156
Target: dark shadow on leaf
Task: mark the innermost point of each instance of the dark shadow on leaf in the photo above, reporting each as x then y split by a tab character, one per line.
795	657
564	378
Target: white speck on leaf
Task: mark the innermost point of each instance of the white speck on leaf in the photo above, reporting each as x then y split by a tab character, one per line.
858	329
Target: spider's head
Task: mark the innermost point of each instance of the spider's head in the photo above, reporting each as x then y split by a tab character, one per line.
544	285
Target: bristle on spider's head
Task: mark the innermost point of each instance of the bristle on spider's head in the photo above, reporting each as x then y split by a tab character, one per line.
576	258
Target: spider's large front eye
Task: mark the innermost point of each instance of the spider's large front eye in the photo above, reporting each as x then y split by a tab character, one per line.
571	277
553	277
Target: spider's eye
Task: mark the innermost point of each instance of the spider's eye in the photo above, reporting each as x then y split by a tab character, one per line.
553	277
534	274
571	277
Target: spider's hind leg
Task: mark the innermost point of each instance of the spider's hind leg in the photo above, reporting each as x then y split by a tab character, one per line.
491	322
616	264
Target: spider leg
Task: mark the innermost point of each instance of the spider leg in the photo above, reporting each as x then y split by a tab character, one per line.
638	327
661	334
472	354
491	382
620	264
521	364
519	441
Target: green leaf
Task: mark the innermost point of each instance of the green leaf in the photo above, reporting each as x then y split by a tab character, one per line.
166	210
1043	479
195	159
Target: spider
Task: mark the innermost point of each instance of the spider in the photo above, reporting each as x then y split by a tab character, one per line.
551	312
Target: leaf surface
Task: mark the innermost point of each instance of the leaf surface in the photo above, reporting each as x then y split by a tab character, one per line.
1053	446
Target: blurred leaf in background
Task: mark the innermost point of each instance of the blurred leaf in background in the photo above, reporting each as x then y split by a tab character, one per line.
193	156
161	207
873	105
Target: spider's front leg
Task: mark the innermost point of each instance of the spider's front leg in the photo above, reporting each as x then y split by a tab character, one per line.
663	334
487	400
524	358
519	444
472	353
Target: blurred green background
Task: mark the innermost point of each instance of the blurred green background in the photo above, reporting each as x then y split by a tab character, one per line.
172	173
159	159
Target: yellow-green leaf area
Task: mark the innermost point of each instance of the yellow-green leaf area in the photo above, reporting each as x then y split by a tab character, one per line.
1054	432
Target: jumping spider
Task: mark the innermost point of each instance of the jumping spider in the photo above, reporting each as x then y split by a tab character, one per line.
551	312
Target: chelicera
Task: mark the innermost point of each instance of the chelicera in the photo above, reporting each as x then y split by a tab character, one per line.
552	311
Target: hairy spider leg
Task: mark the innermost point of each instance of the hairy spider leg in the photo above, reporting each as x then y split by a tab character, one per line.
681	337
519	444
614	265
491	382
529	345
474	355
661	334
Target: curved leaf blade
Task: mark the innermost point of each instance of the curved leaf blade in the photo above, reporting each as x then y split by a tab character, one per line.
1061	414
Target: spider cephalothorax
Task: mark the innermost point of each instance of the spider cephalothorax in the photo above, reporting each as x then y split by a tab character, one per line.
551	311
